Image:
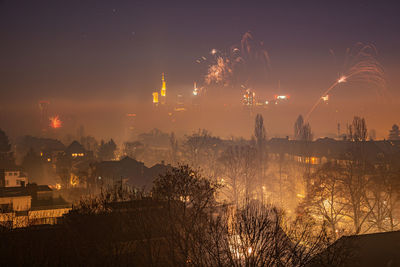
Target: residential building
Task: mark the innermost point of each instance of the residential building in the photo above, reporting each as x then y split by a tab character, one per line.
30	205
13	177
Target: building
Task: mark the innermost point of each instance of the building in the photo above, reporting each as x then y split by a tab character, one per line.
160	97
32	204
12	177
378	249
323	150
249	98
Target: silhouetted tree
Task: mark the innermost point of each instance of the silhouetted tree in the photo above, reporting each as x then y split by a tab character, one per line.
188	196
261	146
64	169
298	127
394	133
6	156
5	146
305	133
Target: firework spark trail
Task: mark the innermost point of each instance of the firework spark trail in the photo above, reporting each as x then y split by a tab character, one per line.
340	80
360	66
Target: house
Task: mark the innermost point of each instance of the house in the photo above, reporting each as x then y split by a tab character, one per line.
30	205
75	150
46	147
127	171
378	249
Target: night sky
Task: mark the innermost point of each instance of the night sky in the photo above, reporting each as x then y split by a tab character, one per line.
108	50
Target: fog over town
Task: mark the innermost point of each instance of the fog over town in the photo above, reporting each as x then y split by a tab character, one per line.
168	133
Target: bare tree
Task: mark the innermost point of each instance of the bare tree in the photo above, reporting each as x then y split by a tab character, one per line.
257	235
201	151
355	179
357	131
382	195
239	165
325	197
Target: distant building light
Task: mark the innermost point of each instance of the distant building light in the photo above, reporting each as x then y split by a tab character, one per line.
195	90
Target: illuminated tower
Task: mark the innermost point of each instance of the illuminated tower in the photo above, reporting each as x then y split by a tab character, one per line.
155	98
163	90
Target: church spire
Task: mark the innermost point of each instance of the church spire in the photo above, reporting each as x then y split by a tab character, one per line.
164	87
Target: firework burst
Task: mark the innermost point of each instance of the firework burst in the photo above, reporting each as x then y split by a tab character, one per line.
360	66
55	122
246	63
